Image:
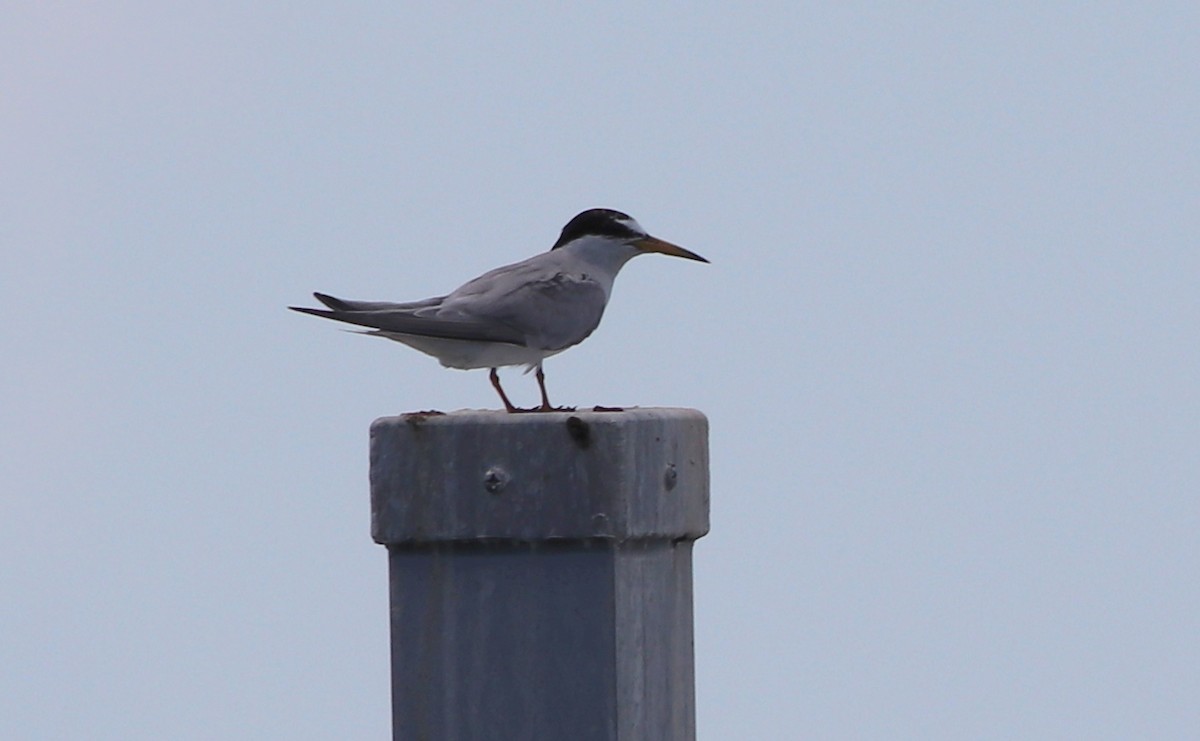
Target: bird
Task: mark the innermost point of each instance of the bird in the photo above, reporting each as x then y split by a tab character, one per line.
518	314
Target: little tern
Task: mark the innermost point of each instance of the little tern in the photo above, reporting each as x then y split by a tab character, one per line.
519	314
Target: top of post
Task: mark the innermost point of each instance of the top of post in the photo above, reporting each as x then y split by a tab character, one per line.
485	475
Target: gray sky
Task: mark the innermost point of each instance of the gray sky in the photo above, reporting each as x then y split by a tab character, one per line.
947	345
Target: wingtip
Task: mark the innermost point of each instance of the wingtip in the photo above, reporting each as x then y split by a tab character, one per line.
336	304
332	302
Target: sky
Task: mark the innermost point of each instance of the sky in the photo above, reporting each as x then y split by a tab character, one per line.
947	345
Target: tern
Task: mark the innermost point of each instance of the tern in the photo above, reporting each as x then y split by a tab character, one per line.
519	314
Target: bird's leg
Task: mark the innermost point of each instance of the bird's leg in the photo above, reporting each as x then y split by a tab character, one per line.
545	407
541	379
508	405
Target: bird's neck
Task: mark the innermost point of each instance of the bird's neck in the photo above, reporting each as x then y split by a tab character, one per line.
601	254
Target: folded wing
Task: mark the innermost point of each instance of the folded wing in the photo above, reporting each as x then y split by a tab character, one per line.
400	319
551	312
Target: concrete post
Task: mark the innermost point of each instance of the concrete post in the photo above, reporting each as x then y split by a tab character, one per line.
541	572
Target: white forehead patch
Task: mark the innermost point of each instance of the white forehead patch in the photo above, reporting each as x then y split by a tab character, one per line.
632	224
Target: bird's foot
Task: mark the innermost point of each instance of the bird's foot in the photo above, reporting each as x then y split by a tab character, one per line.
538	410
599	408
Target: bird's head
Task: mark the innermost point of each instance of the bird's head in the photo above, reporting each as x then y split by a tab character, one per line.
618	229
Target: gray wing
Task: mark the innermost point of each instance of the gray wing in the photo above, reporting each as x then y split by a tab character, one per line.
551	312
401	319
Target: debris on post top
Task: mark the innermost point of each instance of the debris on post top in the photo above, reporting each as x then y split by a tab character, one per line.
484	475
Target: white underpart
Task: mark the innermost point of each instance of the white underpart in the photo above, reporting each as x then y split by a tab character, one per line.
468	355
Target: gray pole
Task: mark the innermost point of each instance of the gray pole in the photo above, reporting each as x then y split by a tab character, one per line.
541	572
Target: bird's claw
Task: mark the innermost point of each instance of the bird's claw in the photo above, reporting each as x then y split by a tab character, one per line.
538	410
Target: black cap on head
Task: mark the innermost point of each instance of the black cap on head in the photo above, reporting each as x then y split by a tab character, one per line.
603	222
